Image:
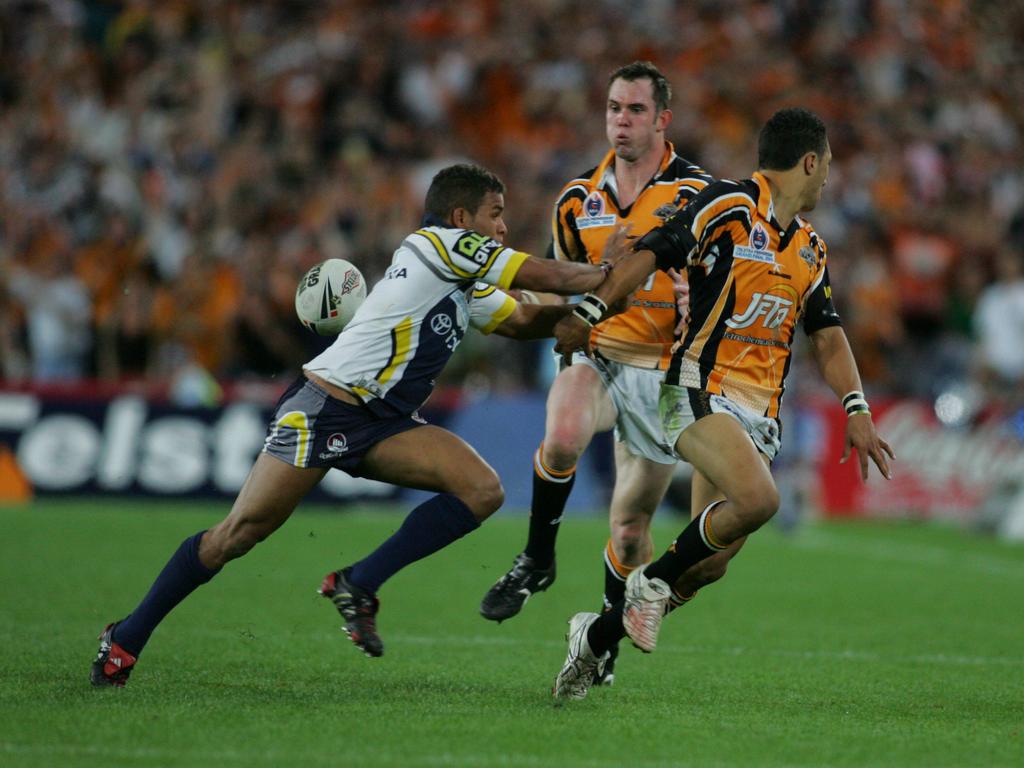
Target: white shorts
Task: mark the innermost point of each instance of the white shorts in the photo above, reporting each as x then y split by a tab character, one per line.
634	393
682	406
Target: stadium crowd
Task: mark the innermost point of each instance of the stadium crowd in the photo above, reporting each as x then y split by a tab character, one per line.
168	168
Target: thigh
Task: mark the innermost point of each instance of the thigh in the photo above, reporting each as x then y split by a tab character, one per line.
721	450
578	402
427	458
640	485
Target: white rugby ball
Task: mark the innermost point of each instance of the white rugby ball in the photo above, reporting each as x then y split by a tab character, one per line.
328	296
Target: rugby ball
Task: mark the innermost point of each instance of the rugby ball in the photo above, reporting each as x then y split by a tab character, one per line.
328	296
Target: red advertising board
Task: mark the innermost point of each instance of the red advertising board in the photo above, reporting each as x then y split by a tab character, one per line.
939	471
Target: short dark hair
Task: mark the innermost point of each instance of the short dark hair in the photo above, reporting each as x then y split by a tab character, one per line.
660	87
460	186
788	135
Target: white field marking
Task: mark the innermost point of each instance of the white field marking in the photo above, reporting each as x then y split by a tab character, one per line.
276	757
919	554
939	659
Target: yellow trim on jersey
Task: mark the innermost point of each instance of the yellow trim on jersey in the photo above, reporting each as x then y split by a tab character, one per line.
508	274
479	293
501	315
402	334
443	253
298	421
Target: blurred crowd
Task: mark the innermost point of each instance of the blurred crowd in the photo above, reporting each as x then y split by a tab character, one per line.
169	168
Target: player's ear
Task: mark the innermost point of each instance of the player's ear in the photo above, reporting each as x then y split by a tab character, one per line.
663	119
810	163
460	218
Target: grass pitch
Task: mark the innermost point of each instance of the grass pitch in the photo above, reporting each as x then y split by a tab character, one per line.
842	645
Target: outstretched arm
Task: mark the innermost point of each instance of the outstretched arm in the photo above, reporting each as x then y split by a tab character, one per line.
834	358
533	321
573	332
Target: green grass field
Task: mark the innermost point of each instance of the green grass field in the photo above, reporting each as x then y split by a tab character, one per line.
842	645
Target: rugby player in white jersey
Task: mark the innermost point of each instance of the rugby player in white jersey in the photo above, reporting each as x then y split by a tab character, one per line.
355	405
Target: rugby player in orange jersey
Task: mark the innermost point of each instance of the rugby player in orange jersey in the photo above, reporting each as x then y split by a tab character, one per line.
755	269
640	181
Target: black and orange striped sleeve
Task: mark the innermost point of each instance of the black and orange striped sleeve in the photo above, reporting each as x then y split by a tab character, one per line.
679	240
566	243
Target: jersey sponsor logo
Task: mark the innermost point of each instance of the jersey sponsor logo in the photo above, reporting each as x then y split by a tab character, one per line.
441	324
476	247
593	208
393	273
772	310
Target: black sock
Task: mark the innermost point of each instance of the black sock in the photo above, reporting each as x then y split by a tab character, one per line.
694	544
614	578
607	630
550	492
182	574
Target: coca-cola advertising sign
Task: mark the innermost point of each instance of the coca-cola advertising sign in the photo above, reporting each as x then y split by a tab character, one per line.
939	471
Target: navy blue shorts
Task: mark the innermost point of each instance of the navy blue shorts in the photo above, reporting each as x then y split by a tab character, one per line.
312	429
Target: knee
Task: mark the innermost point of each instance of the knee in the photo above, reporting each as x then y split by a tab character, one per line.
484	496
756	505
563	445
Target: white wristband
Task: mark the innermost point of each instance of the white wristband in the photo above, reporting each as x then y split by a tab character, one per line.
590	309
855	402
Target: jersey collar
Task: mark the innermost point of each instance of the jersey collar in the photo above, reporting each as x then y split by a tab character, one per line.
604	176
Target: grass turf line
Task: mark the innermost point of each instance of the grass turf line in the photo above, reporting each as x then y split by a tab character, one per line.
843	645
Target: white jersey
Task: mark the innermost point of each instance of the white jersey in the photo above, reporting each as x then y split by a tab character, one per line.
440	281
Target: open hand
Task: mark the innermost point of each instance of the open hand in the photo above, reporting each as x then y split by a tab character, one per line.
862	437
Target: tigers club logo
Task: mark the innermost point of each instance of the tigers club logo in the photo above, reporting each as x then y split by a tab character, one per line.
666	211
758	237
594	205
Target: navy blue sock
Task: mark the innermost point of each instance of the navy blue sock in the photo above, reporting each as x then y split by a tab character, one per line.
433	525
182	574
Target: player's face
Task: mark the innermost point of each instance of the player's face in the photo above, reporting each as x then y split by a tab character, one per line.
632	122
817	180
488	217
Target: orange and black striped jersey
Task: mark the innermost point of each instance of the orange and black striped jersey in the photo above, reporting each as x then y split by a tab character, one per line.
750	281
587	213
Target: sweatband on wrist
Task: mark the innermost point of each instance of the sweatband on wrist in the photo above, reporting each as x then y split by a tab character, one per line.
590	309
855	402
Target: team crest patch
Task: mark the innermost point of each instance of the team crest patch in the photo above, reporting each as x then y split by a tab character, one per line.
758	248
666	212
337	443
758	237
594	213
